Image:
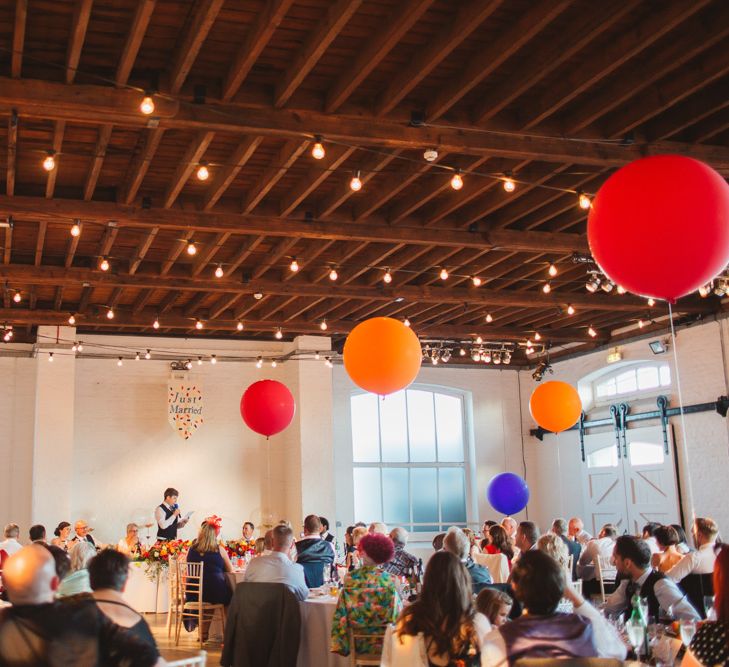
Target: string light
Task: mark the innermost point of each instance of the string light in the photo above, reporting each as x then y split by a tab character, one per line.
74	347
259	362
509	184
80	346
317	151
72	319
462	352
444	274
76	229
328	363
333	275
155	324
317	355
213	359
147	105
17	297
274	364
136	357
621	290
457	180
323	326
479	340
219	271
537	336
641	324
584	201
592	332
198	324
188	365
651	302
530	350
546	288
110	314
148	354
203	173
356	183
570	309
50	357
120	362
239	326
476	281
49	163
406	322
191	248
387	277
552	270
489	318
279	334
294	266
199	361
104	264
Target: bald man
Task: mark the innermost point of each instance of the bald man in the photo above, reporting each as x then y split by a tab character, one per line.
40	630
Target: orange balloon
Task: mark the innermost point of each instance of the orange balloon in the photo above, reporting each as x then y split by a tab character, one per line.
555	406
382	355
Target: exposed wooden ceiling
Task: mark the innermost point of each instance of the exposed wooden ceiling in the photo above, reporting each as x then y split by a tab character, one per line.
556	93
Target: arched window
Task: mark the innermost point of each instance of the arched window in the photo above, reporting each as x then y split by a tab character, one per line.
409	455
634	379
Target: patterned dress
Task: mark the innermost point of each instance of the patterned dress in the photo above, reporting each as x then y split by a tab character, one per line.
369	600
709	644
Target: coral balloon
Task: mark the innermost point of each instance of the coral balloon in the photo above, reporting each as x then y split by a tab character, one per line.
267	407
382	355
555	406
659	226
508	493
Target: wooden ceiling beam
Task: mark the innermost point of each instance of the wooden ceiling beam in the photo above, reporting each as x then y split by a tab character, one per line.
39	241
226	175
177	247
8	245
286	157
101	104
51	275
406	15
187	164
274	256
138	166
247	247
16	59
142	249
314	47
107	240
141	301
12	153
59	129
259	34
72	247
312	252
222	304
208	253
527	26
374	256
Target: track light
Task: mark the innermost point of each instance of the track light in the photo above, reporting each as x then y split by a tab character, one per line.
239	326
17	297
387	277
203	173
486	357
198	324
457	180
49	163
294	266
356	183
705	290
317	151
607	286
444	274
279	334
191	248
583	200
333	275
147	105
476	281
592	284
76	228
72	319
219	271
496	358
104	264
506	357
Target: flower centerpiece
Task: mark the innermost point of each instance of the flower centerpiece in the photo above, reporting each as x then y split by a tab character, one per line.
156	557
240	547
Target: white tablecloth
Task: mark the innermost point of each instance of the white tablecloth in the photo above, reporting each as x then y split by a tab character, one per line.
145	595
316	628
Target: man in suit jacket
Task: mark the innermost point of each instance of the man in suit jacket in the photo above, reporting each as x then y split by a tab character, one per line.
559	528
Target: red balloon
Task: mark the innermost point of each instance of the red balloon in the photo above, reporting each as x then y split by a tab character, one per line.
659	226
267	407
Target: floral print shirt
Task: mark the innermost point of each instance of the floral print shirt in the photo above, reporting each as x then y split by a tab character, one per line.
368	601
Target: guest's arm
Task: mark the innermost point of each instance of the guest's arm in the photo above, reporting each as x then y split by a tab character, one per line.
616	602
226	560
670	595
493	650
684	567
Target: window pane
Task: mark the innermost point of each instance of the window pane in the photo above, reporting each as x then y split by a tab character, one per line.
605	457
626	382
421	423
393	428
425	498
645	453
395	496
452	495
665	374
610	389
449	424
365	436
367	498
647	377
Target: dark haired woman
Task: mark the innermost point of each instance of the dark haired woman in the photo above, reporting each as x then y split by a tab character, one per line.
500	543
669	555
441	628
62	533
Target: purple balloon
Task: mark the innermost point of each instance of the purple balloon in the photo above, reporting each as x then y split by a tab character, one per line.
508	493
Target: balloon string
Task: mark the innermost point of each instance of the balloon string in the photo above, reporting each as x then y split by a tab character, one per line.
684	437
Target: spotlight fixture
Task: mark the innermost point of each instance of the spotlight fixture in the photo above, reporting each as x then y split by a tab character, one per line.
17	297
486	357
387	277
147	105
317	151
591	332
323	326
509	185
489	318
76	228
104	264
475	355
552	270
333	275
658	346
543	367
607	286
546	288
191	248
294	266
476	281
203	173
279	334
445	356
444	274
497	358
593	283
110	314
72	319
356	183
219	271
570	309
506	357
457	180
155	324
583	200
49	163
148	354
239	326
198	324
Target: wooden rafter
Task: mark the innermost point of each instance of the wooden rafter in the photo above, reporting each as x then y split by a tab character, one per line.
288	154
210	251
274	256
187	165
226	175
12	153
142	249
21	15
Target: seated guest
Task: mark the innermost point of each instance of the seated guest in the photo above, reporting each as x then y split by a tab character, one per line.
268	542
649	531
576	531
108	574
495	605
683	545
129	545
325	534
601	547
632	559
551	545
500	543
668	555
78	581
402	563
438	542
539	584
10	544
377	527
37	630
510	525
83	532
487	527
260	546
475	549
457	543
353	560
37	533
313	552
710	645
559	528
441	626
369	598
701	561
206	549
276	567
248	530
62	533
527	535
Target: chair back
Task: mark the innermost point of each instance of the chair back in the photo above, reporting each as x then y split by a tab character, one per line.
191	575
572	662
569	567
365	644
496	564
605	572
696	586
199	658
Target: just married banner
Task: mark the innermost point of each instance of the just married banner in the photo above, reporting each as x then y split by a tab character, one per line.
184	407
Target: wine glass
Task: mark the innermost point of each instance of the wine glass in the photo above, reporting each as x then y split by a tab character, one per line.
636	633
709	607
688	630
327	572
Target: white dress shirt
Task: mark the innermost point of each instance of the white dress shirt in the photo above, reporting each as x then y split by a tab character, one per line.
607	640
602	546
583	537
668	595
10	546
277	568
700	561
163	523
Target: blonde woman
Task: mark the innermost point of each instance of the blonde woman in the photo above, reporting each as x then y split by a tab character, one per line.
129	545
353	558
553	546
78	581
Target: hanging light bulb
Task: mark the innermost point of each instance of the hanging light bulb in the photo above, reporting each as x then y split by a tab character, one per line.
406	322
274	364
147	105
641	324
583	200
49	163
199	361
136	357
651	302
317	355
530	350
198	324
462	352
50	357
294	266
219	271
552	270
188	364
444	274
546	288
570	309
323	326
203	173
74	347
279	334
72	319
476	281
148	354
239	326
104	264
509	184
356	183
191	248
489	318
76	228
333	275
621	290
110	314
457	180
213	359
387	277
317	151
80	346
259	362
592	332
17	297
120	362
328	362
479	340
155	324
537	336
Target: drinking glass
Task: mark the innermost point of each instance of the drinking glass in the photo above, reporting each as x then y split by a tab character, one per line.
636	634
709	607
327	574
688	630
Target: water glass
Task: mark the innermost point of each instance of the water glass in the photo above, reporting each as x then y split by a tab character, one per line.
688	630
327	574
709	607
636	634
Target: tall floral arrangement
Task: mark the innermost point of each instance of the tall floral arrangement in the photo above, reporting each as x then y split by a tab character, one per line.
156	557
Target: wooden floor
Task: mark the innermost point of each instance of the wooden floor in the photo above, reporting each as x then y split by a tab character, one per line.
188	641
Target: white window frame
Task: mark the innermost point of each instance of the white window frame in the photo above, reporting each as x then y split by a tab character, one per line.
602	401
466	465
